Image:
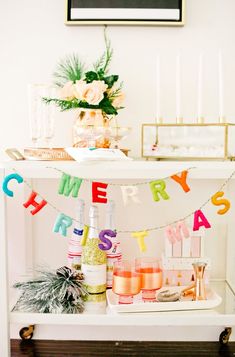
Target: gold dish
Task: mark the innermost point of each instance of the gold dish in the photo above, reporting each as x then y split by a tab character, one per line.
46	154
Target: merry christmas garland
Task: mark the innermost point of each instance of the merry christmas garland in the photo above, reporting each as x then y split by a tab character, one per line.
70	185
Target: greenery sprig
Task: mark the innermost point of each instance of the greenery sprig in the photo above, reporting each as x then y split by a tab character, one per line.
104	105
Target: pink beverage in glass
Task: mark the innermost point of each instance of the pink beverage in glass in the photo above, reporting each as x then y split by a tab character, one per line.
151	276
126	281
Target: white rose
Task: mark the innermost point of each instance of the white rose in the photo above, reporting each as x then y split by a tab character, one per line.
79	89
92	93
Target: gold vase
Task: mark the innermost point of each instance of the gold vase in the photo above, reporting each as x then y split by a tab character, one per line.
91	129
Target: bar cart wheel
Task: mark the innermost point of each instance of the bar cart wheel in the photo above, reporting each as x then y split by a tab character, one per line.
224	336
26	333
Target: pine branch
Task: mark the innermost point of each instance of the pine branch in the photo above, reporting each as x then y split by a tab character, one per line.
115	93
101	66
69	69
53	292
63	104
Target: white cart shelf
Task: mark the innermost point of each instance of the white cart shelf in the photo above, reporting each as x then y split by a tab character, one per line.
223	316
135	170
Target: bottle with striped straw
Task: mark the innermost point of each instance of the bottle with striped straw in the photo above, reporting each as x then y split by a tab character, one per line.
114	254
75	248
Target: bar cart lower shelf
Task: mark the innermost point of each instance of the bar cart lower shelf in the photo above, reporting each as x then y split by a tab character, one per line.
194	325
223	316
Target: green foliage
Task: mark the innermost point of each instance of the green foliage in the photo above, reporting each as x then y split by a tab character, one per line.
69	69
110	80
62	103
107	107
91	76
53	292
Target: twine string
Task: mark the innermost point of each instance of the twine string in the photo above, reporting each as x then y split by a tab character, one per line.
122	184
225	183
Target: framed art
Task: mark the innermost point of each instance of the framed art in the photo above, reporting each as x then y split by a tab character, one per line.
125	12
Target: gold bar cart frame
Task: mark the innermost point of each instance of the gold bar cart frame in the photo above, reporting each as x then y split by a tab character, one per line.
226	130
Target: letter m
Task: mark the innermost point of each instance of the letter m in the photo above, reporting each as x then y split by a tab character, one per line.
68	185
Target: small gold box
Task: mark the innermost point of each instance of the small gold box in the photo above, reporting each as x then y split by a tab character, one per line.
199	141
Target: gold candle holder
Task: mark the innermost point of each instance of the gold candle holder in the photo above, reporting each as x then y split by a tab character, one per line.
179	120
200	120
159	120
222	120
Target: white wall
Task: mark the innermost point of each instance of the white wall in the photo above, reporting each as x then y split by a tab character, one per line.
33	37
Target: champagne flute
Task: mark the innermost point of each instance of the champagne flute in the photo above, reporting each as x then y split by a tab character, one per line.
35	112
48	115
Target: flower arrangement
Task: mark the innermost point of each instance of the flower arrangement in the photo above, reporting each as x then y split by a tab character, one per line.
93	89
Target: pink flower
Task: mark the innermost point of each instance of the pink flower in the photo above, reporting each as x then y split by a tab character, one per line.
67	91
92	93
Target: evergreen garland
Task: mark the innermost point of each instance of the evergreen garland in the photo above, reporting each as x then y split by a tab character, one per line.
53	292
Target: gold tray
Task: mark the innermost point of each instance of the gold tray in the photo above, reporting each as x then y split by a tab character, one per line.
46	154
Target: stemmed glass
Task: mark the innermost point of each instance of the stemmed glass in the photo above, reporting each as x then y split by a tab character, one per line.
48	115
118	133
41	115
126	281
151	276
35	112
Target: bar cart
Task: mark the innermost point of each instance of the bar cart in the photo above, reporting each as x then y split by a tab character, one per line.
23	242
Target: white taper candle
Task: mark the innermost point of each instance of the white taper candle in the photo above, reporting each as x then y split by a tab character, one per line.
221	88
178	89
158	103
199	88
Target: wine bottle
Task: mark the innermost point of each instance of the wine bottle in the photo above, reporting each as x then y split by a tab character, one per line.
75	248
93	258
114	253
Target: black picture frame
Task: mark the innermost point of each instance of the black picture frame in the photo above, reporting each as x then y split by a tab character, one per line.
125	12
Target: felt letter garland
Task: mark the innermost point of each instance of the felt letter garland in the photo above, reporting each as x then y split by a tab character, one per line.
140	237
223	201
71	185
107	242
130	193
99	196
200	220
68	185
178	232
31	202
158	188
182	180
6	180
62	223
